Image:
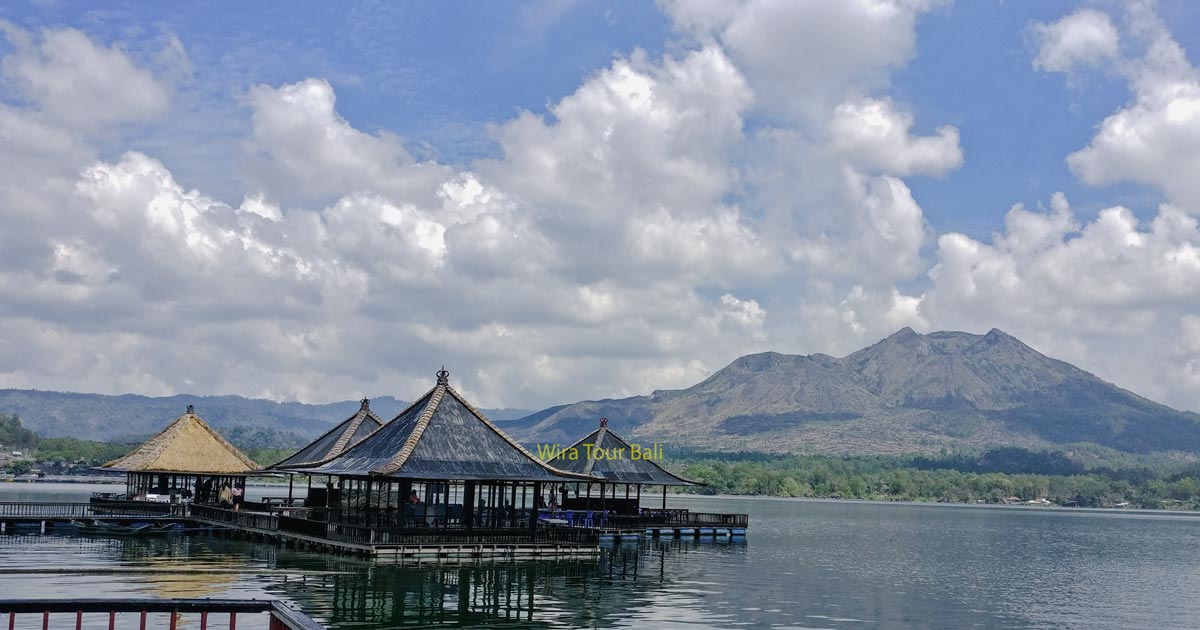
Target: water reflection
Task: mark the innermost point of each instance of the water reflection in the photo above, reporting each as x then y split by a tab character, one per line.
622	583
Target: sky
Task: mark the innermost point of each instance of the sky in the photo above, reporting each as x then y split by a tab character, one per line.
574	200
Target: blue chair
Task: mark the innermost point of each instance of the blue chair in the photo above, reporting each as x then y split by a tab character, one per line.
587	520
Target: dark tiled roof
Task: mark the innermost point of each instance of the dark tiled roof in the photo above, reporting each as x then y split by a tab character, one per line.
441	436
336	440
624	470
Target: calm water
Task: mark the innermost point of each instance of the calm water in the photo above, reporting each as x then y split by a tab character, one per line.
805	564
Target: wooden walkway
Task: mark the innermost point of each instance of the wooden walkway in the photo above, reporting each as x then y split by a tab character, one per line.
410	544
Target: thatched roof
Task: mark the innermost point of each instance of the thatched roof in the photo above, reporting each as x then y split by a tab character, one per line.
623	470
346	434
188	445
441	437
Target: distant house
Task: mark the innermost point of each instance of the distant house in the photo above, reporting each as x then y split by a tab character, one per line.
18	454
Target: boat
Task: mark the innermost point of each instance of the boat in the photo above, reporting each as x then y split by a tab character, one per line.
111	529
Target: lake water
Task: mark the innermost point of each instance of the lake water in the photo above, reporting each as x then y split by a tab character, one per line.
804	564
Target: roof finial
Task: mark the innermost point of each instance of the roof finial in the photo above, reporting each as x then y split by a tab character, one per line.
366	403
603	422
443	376
191	410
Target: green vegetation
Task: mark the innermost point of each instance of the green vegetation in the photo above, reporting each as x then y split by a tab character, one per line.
265	456
15	436
991	477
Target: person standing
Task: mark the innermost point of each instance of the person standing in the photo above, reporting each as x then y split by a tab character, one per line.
239	497
225	498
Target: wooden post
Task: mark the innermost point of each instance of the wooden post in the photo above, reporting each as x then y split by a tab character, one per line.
469	504
664	497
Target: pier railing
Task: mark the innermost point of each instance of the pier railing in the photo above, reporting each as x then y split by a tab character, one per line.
678	518
281	616
366	535
61	510
244	518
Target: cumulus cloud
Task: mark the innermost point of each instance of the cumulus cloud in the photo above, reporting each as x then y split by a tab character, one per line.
77	82
1085	37
1156	139
1111	294
633	236
874	135
803	57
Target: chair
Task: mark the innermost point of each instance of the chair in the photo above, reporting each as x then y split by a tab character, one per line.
587	520
569	517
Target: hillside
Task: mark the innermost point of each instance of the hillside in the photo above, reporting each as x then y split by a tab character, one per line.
245	421
909	393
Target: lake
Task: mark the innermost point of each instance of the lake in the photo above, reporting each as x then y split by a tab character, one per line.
804	564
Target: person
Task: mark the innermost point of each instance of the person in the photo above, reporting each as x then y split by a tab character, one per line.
186	494
563	489
225	498
413	499
541	502
239	497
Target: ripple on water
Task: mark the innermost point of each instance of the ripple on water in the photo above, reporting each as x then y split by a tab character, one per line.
804	565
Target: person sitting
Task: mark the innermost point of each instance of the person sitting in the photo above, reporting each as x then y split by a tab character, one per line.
413	499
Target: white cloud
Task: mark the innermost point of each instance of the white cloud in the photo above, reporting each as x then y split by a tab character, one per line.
1156	139
633	237
1113	295
1085	37
78	83
804	57
873	135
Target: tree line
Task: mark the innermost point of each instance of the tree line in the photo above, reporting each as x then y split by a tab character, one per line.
991	477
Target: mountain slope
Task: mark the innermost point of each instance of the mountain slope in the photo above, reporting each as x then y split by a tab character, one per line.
907	393
244	421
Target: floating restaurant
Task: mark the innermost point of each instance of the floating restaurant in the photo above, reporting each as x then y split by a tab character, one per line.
438	480
438	473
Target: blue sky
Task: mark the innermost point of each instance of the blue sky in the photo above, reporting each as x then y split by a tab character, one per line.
585	199
438	74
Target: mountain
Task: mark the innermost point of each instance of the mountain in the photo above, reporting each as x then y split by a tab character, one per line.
909	393
244	421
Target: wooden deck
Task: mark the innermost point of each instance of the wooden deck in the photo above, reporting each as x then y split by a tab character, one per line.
277	526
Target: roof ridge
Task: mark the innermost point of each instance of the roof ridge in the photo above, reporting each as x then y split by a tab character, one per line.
587	470
504	436
435	399
348	433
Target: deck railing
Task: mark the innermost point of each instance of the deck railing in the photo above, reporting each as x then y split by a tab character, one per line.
281	616
358	534
245	518
63	509
460	536
678	518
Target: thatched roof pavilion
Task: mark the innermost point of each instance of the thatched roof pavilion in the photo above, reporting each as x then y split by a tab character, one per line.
188	458
346	434
187	445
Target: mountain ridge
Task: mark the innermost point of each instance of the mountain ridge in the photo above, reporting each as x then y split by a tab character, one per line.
907	393
245	421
